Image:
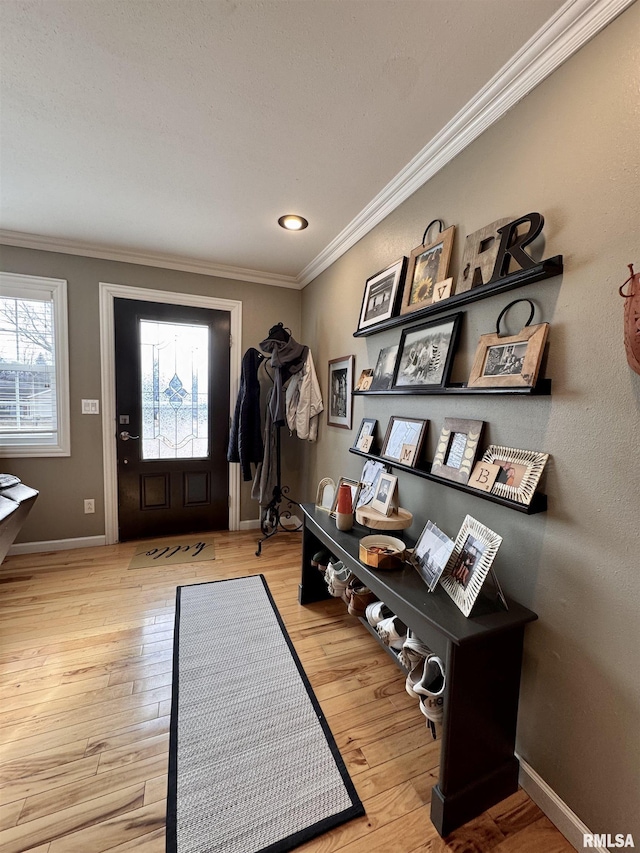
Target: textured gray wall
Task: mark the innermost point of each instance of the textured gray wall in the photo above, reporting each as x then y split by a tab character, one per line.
570	151
65	482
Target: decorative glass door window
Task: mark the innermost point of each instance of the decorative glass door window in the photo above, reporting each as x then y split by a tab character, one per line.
174	359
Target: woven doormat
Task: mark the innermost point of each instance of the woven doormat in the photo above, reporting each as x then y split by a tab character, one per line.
253	766
168	552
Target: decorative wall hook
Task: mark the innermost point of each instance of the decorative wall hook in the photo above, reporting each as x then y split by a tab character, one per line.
632	318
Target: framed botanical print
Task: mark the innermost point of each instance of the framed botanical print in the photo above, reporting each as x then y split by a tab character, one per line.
428	264
381	293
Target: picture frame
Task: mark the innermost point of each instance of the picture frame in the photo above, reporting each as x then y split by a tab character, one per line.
425	353
470	562
431	554
511	361
325	494
385	491
354	485
457	449
365	380
404	433
340	403
522	471
367	429
428	264
371	471
381	295
385	368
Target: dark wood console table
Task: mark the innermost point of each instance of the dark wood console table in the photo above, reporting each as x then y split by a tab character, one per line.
482	656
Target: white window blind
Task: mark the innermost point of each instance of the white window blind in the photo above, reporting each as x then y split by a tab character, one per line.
34	400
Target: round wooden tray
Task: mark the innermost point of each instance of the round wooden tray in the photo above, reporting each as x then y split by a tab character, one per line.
399	520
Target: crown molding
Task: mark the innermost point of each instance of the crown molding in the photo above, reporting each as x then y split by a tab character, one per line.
149	259
573	25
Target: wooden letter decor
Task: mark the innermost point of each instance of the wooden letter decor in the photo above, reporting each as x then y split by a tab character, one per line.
512	246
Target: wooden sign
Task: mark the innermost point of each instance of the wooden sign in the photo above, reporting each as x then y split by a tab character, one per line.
442	290
484	476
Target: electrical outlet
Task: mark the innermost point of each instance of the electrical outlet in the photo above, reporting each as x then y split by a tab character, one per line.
89	506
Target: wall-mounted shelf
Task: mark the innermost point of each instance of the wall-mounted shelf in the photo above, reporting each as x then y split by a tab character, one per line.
546	269
542	389
538	502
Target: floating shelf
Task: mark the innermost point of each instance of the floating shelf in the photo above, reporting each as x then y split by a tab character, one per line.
542	389
538	502
546	269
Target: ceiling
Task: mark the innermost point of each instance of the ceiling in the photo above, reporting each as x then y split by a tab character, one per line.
176	132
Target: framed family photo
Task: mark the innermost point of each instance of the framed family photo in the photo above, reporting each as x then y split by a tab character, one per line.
473	553
403	440
509	361
381	294
519	474
428	264
384	369
426	354
431	554
339	410
457	449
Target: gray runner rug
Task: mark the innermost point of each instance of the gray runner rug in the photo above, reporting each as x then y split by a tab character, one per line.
253	765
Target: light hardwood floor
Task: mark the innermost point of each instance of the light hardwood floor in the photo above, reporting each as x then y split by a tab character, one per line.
85	680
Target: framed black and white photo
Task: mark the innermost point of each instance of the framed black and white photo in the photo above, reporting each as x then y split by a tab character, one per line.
381	293
403	440
509	362
426	353
473	553
339	410
431	554
520	472
384	369
371	471
385	490
366	435
457	449
428	264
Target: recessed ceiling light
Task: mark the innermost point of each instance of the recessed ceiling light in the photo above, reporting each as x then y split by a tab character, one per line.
292	222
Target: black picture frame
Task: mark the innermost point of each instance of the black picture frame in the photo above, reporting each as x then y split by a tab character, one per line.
393	445
425	353
367	428
381	295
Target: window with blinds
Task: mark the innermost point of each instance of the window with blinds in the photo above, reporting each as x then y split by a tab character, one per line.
34	408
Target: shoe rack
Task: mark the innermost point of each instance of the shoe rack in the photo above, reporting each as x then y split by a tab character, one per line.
482	656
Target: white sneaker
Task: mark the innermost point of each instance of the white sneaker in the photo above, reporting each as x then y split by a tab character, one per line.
376	612
412	657
392	632
430	690
337	577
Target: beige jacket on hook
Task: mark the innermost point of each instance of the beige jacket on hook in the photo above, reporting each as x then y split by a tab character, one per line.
304	401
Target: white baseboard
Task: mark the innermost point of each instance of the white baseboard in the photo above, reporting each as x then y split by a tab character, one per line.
554	808
252	524
57	545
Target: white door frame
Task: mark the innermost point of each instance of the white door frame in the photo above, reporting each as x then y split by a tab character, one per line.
108	293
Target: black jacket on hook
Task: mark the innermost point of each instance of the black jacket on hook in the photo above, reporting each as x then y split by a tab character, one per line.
245	440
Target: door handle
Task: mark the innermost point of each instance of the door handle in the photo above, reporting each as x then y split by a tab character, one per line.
125	436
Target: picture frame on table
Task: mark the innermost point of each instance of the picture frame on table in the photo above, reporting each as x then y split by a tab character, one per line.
384	369
511	361
428	265
354	485
325	494
340	407
431	554
470	562
383	501
371	471
457	449
425	354
381	295
404	439
367	430
520	472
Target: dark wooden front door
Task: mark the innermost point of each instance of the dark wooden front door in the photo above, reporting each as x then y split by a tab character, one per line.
172	418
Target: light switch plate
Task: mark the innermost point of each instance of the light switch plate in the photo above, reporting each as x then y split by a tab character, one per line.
91	407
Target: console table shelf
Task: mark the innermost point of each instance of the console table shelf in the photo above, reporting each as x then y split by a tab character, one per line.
482	655
538	502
